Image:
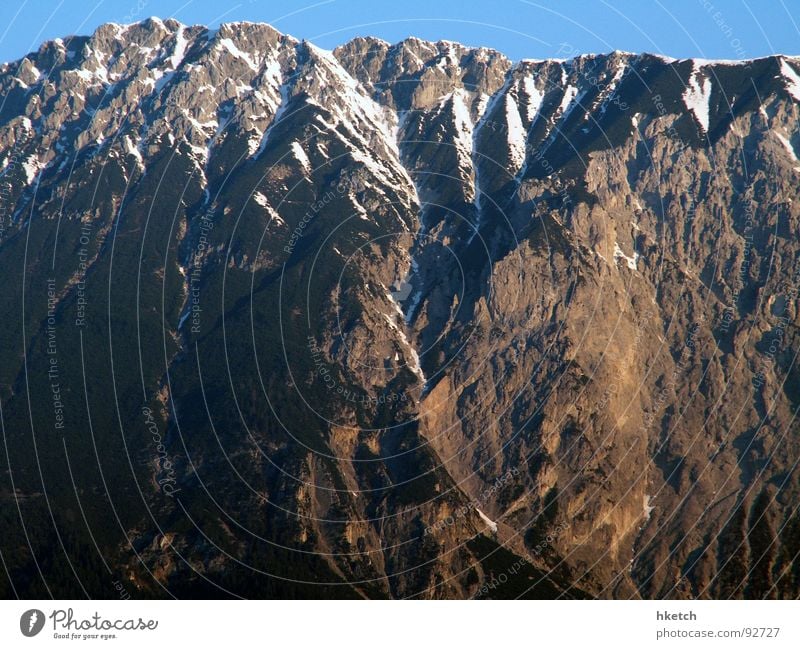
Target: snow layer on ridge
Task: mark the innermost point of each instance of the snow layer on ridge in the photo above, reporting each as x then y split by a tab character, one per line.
487	110
357	106
703	63
358	102
413	362
516	133
610	88
792	79
461	117
696	97
534	98
181	44
256	144
463	140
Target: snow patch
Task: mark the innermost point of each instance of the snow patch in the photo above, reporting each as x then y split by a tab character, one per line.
487	114
462	123
131	148
359	208
483	103
789	148
489	522
696	97
648	508
608	93
787	145
516	134
256	151
534	98
570	94
262	200
630	261
792	79
254	143
161	79
228	44
181	42
32	166
413	362
448	59
300	155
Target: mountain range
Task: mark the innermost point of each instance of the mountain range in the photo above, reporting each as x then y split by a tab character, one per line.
396	321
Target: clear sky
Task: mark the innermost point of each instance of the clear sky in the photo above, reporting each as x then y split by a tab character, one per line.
714	29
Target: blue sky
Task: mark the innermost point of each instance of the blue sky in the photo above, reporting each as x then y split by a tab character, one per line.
715	29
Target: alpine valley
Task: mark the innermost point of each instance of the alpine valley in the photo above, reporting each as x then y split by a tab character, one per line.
396	321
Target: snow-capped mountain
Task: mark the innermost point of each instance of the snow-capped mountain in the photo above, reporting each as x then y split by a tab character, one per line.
388	320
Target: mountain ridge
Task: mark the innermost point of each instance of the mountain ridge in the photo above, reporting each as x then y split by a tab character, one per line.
169	22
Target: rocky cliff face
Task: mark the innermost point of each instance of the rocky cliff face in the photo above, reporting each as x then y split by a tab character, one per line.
399	320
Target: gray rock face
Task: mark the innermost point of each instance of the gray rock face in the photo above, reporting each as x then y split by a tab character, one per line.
391	320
